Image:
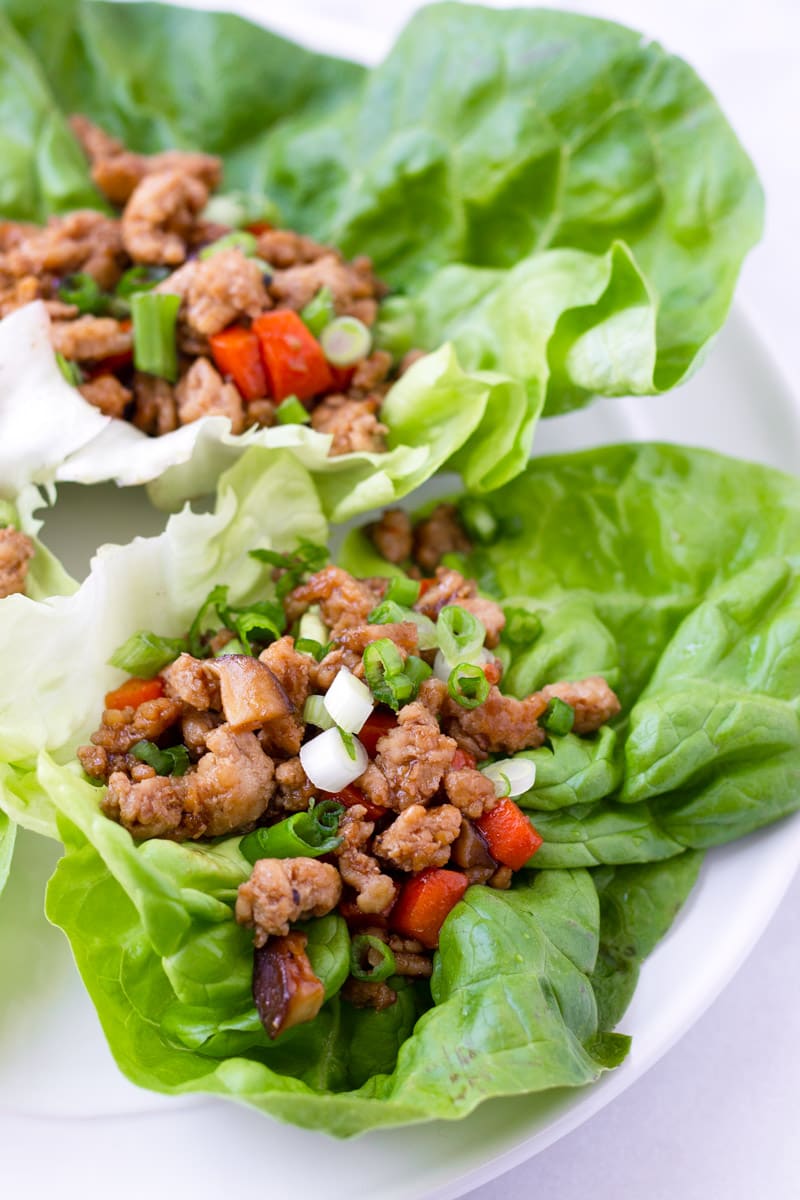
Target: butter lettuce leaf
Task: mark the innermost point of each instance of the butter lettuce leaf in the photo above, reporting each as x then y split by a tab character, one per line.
560	215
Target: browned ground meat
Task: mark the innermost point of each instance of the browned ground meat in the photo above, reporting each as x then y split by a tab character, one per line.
187	680
420	838
84	240
295	789
351	643
355	289
375	892
366	993
592	699
116	171
393	535
452	588
284	736
344	601
413	757
108	394
155	410
501	724
222	289
470	791
439	534
121	728
353	425
91	338
283	248
195	728
158	218
372	373
152	807
283	890
202	393
16	551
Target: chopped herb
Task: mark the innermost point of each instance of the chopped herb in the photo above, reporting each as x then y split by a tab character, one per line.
305	560
172	761
403	590
360	965
69	369
558	717
140	279
145	653
319	311
154	341
237	239
302	835
292	411
468	685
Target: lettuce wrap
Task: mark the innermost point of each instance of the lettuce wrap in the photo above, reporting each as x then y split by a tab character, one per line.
559	206
644	564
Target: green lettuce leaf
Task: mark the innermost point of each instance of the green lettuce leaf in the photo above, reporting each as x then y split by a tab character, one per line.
638	905
675	574
561	215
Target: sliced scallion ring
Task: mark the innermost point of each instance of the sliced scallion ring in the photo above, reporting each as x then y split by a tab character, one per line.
468	685
511	776
460	633
345	341
362	948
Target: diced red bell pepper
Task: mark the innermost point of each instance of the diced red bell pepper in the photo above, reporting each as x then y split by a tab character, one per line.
237	353
292	356
463	760
425	585
134	692
259	227
351	795
425	902
509	834
379	722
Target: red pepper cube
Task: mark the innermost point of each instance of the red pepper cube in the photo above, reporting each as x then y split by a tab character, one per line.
425	902
292	356
378	723
237	353
351	795
509	835
134	692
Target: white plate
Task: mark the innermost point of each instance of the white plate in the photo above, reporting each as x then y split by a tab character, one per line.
59	1087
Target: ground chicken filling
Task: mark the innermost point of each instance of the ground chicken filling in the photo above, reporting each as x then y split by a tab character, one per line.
168	312
354	731
16	552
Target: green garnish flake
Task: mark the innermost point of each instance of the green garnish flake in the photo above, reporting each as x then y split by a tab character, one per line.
468	685
145	653
237	239
319	311
302	835
172	761
69	369
155	348
362	948
558	717
292	411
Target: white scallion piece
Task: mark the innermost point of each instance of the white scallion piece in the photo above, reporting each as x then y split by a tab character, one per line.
511	776
442	666
313	627
345	341
333	759
348	701
315	713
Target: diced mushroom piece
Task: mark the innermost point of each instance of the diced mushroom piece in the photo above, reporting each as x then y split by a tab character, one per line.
470	852
251	694
285	989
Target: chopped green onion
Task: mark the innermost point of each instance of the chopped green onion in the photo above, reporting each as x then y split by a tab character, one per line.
302	835
238	239
478	519
234	646
319	311
348	742
345	341
313	647
154	342
238	208
265	619
140	279
468	685
307	558
311	625
511	776
385	674
361	966
69	369
559	717
389	612
460	634
172	761
417	671
292	411
201	625
315	713
84	292
403	590
145	653
522	626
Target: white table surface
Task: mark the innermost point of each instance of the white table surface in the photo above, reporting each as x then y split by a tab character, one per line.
690	1130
